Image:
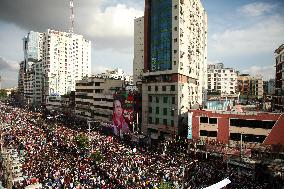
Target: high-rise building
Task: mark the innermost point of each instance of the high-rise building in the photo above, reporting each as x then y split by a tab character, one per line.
54	60
221	80
250	87
32	67
175	63
279	80
269	87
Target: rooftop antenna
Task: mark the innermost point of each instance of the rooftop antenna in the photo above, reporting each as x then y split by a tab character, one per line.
71	29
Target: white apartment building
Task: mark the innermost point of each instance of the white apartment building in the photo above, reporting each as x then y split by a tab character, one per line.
94	97
175	63
222	80
54	60
138	61
66	58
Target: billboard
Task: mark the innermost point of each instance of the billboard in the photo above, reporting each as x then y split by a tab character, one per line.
123	113
189	125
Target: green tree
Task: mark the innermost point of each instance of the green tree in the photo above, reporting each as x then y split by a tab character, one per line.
82	141
165	185
97	157
3	94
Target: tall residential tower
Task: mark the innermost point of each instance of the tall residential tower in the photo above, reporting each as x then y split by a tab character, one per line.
54	60
174	75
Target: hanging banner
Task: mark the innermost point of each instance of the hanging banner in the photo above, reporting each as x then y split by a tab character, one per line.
189	132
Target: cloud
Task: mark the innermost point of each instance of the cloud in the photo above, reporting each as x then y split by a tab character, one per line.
106	25
8	65
267	72
256	9
263	36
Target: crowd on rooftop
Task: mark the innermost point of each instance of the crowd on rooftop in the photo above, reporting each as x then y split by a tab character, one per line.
51	157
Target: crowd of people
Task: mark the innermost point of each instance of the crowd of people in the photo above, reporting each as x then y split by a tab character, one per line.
52	158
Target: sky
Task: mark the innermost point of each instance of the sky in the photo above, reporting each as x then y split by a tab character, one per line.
242	34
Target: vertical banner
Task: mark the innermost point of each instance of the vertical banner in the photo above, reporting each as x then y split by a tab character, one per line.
189	132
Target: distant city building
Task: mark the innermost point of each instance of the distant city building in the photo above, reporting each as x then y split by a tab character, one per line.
131	88
54	60
174	77
94	97
221	80
138	61
117	74
269	87
278	99
0	82
21	77
250	87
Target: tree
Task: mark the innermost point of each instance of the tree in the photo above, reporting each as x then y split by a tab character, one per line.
82	141
165	185
3	94
97	157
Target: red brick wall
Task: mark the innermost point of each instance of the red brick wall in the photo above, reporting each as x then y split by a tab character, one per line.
223	130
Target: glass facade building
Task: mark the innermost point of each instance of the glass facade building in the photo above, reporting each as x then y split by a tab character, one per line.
161	35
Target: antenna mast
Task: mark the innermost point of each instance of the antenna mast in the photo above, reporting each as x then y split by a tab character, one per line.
71	29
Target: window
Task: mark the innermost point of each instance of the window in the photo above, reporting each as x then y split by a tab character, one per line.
97	83
164	88
157	121
165	122
176	17
150	109
175	40
165	111
172	88
213	120
172	112
252	123
172	123
150	98
208	133
203	119
165	99
157	99
156	88
173	100
149	88
150	120
157	110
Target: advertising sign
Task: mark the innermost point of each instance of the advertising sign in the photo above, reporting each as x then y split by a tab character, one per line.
189	132
123	110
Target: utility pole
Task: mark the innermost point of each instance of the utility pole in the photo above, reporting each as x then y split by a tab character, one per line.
241	149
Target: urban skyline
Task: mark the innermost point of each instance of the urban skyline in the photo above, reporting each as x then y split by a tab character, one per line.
243	35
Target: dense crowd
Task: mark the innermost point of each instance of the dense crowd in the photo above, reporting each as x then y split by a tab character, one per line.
52	158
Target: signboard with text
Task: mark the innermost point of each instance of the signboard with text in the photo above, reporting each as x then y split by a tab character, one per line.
189	130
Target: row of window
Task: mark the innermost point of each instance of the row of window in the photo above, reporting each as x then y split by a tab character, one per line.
157	111
160	121
208	120
165	99
247	137
252	123
164	88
